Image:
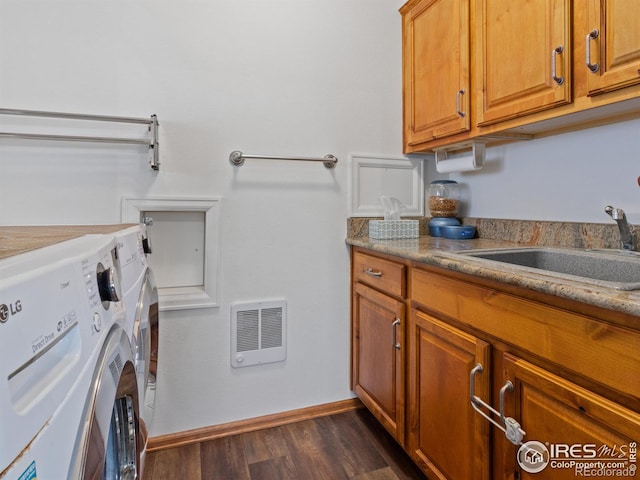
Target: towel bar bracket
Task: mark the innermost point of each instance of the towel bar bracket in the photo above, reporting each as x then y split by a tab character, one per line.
154	145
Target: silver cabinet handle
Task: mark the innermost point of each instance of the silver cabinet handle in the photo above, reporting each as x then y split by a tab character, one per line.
393	334
368	271
508	425
593	34
459	95
554	53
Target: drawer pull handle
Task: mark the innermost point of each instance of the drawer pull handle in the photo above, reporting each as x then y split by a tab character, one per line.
511	428
368	271
459	110
395	344
593	34
554	54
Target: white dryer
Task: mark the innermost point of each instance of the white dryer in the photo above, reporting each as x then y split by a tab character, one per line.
140	297
68	386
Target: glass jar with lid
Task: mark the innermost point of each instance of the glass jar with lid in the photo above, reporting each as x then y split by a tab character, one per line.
444	198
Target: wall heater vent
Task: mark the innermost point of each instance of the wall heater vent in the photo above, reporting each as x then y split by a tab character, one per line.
258	333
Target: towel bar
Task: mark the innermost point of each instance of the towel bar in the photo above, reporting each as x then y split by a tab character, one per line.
237	158
152	122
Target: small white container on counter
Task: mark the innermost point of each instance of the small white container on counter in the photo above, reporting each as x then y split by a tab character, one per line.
392	229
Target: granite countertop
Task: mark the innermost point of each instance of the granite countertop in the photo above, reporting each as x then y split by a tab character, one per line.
444	253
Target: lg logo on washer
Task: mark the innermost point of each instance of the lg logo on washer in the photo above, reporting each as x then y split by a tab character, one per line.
6	311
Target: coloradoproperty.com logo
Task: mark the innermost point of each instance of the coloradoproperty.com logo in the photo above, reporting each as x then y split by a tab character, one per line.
585	460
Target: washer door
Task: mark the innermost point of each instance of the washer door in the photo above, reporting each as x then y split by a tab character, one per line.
108	447
145	344
121	456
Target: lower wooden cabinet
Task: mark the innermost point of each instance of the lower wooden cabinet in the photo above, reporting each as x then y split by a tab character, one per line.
446	437
378	364
571	431
567	381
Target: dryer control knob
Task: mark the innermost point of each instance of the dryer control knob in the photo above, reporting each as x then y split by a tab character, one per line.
108	285
97	322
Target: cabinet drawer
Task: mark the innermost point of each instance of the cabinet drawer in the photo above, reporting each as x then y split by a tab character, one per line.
385	275
589	347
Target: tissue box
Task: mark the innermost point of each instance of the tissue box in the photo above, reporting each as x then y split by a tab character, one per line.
390	229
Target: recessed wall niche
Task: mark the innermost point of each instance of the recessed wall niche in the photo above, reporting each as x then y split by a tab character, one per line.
184	234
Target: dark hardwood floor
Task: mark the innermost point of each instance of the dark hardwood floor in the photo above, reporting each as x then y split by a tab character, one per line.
350	445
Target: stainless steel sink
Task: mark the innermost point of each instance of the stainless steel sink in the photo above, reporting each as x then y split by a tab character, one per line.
607	268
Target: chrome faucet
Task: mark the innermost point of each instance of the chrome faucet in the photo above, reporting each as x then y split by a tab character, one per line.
626	231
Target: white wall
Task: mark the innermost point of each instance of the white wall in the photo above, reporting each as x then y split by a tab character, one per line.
569	177
280	77
289	77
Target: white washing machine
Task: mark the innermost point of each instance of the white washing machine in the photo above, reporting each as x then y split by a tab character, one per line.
140	297
68	385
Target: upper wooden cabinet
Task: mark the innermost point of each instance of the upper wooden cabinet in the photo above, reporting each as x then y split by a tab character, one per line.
504	69
436	61
613	45
526	57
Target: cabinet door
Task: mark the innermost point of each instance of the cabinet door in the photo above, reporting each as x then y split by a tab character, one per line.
573	428
519	43
616	48
435	70
378	356
446	437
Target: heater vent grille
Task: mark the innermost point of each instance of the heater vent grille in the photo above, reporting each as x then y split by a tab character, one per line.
248	330
258	333
272	327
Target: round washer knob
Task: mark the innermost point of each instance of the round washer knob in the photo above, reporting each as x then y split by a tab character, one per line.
97	322
108	285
